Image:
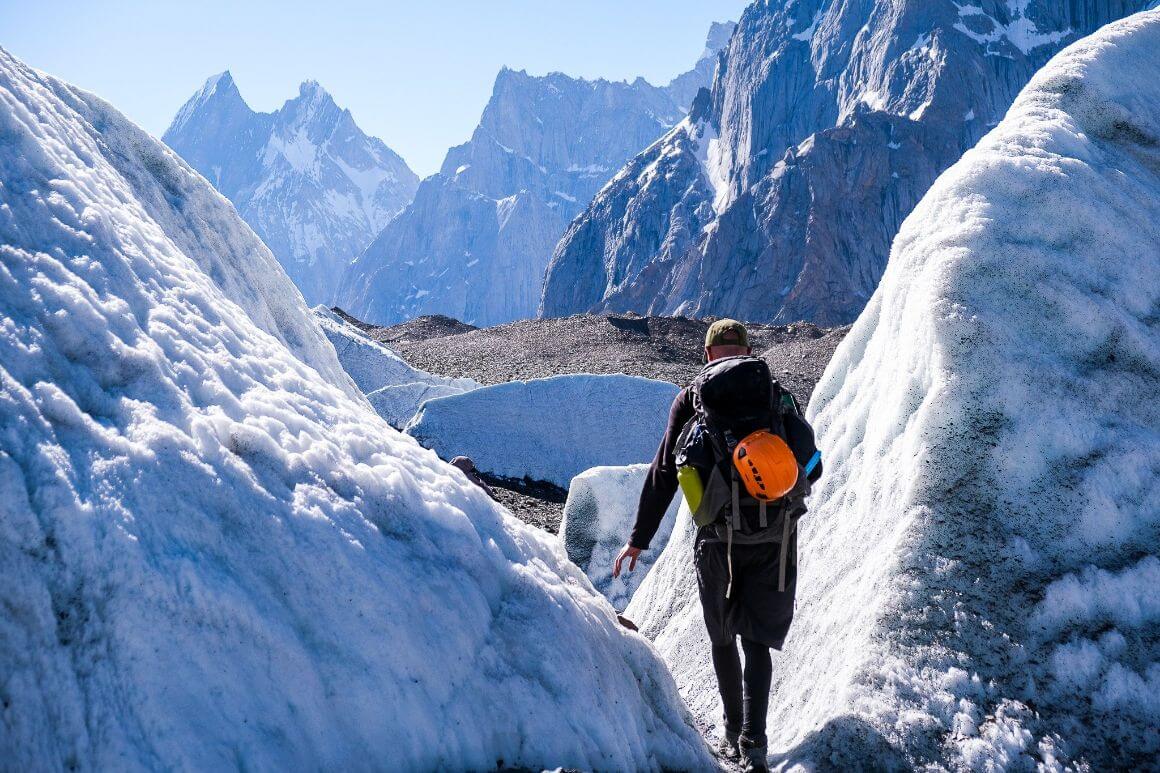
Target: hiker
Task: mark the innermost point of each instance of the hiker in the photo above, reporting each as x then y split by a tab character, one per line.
738	447
465	465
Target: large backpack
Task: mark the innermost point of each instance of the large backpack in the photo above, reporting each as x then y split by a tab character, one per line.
732	398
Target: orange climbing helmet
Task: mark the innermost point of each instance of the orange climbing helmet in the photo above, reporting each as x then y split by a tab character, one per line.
766	464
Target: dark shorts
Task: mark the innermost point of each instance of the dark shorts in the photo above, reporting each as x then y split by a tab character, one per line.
755	610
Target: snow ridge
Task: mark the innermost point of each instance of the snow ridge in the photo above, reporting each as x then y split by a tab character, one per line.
212	557
978	569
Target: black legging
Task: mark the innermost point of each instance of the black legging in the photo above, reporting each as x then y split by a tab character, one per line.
746	699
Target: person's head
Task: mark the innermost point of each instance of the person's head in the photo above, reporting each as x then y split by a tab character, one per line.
726	338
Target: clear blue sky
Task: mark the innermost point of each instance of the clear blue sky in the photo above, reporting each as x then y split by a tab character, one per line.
416	74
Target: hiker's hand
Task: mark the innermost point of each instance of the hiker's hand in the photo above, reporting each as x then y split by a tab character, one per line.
628	551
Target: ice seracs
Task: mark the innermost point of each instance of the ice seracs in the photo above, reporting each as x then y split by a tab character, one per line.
394	388
305	177
977	576
598	518
213	554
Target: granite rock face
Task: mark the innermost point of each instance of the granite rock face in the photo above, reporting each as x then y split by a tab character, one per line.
778	196
310	183
683	88
475	243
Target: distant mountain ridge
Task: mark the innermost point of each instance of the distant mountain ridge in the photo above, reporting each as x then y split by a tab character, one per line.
313	186
827	122
475	242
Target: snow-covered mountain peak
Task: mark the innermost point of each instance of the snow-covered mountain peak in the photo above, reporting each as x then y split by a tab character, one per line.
476	240
222	83
684	87
311	87
219	94
314	110
305	177
718	38
832	119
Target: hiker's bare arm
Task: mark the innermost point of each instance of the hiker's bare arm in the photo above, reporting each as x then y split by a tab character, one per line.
629	552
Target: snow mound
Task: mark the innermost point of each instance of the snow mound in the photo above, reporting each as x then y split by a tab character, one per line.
212	557
395	388
979	570
549	429
185	213
598	517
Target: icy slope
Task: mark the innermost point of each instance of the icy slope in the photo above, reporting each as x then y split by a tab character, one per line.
186	214
210	557
549	429
979	572
598	517
394	388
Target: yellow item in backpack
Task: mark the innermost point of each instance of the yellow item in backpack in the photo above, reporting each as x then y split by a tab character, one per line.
691	486
766	465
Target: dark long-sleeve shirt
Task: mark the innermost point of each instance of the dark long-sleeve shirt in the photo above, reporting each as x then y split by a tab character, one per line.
661	483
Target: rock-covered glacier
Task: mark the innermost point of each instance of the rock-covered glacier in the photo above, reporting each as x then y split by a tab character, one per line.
475	242
978	572
305	177
826	124
213	557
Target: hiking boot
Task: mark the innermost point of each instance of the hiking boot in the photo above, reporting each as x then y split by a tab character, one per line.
728	747
754	759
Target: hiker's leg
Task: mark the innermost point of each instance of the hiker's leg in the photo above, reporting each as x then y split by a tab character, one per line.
727	665
758	674
712	579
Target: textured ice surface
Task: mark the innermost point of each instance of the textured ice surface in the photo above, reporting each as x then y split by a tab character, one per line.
979	571
598	517
394	388
549	429
213	558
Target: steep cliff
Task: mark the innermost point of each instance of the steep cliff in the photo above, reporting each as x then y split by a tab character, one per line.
476	241
827	123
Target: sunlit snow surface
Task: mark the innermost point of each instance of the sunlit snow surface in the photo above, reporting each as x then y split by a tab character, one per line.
979	570
212	558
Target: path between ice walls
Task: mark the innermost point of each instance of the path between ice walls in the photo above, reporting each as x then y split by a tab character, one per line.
979	566
215	555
